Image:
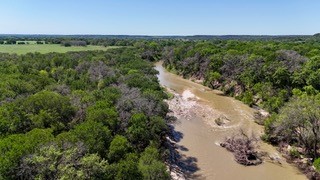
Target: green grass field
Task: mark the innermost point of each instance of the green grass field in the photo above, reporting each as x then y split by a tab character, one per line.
47	48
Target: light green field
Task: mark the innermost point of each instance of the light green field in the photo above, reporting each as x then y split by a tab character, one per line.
47	48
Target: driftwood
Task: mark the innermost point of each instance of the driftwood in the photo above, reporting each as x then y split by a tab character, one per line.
243	149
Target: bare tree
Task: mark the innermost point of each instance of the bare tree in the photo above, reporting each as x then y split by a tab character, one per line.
233	66
292	60
98	70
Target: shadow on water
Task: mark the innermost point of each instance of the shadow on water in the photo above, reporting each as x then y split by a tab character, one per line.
174	135
180	162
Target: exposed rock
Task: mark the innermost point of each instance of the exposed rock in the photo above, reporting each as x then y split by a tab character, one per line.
222	120
260	116
238	90
275	158
304	164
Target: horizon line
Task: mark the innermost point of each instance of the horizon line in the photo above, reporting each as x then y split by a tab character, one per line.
167	35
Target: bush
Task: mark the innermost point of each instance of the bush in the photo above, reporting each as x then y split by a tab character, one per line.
247	98
264	137
294	153
316	164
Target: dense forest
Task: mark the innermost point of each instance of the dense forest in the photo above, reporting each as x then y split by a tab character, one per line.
81	115
280	76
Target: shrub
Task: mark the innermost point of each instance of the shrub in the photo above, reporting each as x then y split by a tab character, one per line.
316	164
294	153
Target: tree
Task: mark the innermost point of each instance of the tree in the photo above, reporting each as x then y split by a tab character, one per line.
157	127
12	119
66	162
103	112
127	168
98	70
291	60
13	147
247	98
317	35
94	135
119	147
48	110
233	66
281	77
138	131
311	72
213	77
150	165
300	119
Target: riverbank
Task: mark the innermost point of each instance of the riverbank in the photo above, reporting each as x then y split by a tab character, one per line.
187	105
219	121
198	135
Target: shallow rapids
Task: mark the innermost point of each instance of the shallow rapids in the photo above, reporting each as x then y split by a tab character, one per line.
198	136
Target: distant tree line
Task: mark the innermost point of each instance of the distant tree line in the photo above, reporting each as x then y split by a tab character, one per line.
11	42
73	43
123	40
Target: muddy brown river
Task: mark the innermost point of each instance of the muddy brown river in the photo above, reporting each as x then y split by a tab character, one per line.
199	136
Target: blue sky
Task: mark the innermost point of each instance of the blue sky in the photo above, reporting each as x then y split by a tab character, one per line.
160	17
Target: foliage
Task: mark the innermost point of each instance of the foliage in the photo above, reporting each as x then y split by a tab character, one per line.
151	166
66	162
300	120
106	107
118	148
48	110
294	153
13	147
78	115
127	168
281	76
259	72
316	164
94	135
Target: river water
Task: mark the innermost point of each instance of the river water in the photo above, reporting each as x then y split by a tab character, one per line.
199	137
